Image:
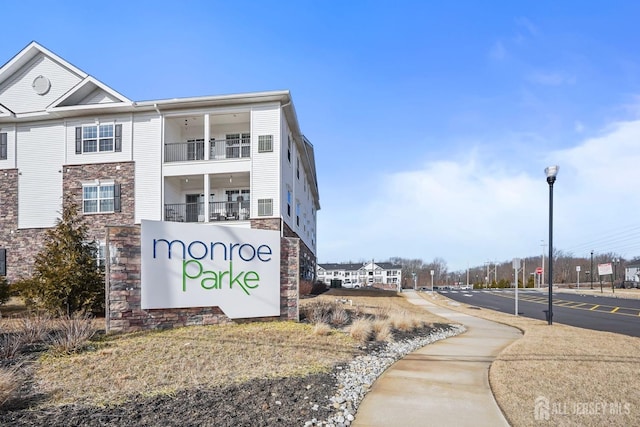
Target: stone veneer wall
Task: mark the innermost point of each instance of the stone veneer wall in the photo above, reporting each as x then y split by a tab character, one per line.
122	173
304	253
23	244
122	283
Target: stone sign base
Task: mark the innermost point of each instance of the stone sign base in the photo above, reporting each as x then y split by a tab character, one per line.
122	287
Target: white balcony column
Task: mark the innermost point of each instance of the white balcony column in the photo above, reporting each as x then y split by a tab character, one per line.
207	191
207	142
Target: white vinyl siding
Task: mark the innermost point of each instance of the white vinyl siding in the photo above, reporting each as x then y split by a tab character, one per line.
147	153
18	91
99	156
265	167
40	179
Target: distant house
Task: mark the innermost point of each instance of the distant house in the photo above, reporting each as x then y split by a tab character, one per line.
632	271
384	275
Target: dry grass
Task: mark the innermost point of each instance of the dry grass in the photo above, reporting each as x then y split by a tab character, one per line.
572	367
9	382
381	330
121	367
322	329
164	362
72	333
361	330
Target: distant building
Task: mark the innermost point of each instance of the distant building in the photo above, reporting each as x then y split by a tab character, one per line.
632	271
383	275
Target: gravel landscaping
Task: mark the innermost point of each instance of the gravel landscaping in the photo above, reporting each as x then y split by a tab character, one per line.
326	399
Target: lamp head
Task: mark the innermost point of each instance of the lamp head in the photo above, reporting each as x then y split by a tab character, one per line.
551	172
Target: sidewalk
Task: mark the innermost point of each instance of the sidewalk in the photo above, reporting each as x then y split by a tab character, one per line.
442	384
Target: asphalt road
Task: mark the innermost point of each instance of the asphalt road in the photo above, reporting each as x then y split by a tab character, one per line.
617	315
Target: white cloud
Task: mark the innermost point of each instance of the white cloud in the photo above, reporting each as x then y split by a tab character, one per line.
474	208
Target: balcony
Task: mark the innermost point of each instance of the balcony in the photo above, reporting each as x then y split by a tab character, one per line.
221	149
218	211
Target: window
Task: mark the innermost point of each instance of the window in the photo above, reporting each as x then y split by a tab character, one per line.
3	146
101	255
265	207
101	198
98	138
298	214
298	168
289	148
289	202
265	143
238	145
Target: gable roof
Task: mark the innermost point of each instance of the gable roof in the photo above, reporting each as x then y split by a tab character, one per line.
72	90
27	54
5	112
89	92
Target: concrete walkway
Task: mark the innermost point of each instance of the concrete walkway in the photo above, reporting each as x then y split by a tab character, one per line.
442	384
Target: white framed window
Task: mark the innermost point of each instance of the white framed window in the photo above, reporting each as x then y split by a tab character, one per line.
265	207
289	202
238	145
289	148
298	213
98	138
101	197
265	143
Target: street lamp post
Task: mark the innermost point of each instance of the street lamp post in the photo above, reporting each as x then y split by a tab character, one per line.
613	279
551	172
591	271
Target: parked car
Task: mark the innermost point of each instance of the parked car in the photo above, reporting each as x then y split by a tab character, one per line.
350	285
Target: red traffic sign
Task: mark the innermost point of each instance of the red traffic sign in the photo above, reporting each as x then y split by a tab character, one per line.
539	270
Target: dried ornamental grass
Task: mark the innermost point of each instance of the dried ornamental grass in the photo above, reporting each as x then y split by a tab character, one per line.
321	329
382	330
361	330
9	383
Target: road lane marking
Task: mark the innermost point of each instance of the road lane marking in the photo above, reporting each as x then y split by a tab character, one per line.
614	310
594	307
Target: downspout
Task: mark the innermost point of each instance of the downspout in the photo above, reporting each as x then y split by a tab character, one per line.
155	106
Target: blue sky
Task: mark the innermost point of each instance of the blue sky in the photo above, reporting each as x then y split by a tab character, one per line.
432	122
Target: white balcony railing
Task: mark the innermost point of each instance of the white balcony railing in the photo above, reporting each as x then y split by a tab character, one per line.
221	149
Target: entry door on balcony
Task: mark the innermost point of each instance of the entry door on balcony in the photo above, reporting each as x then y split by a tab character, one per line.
195	207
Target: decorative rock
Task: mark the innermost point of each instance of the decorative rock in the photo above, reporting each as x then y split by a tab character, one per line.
355	380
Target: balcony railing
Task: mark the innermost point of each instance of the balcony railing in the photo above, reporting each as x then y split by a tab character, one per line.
218	211
221	149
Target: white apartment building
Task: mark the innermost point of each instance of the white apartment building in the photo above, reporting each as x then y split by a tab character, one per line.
237	160
376	274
